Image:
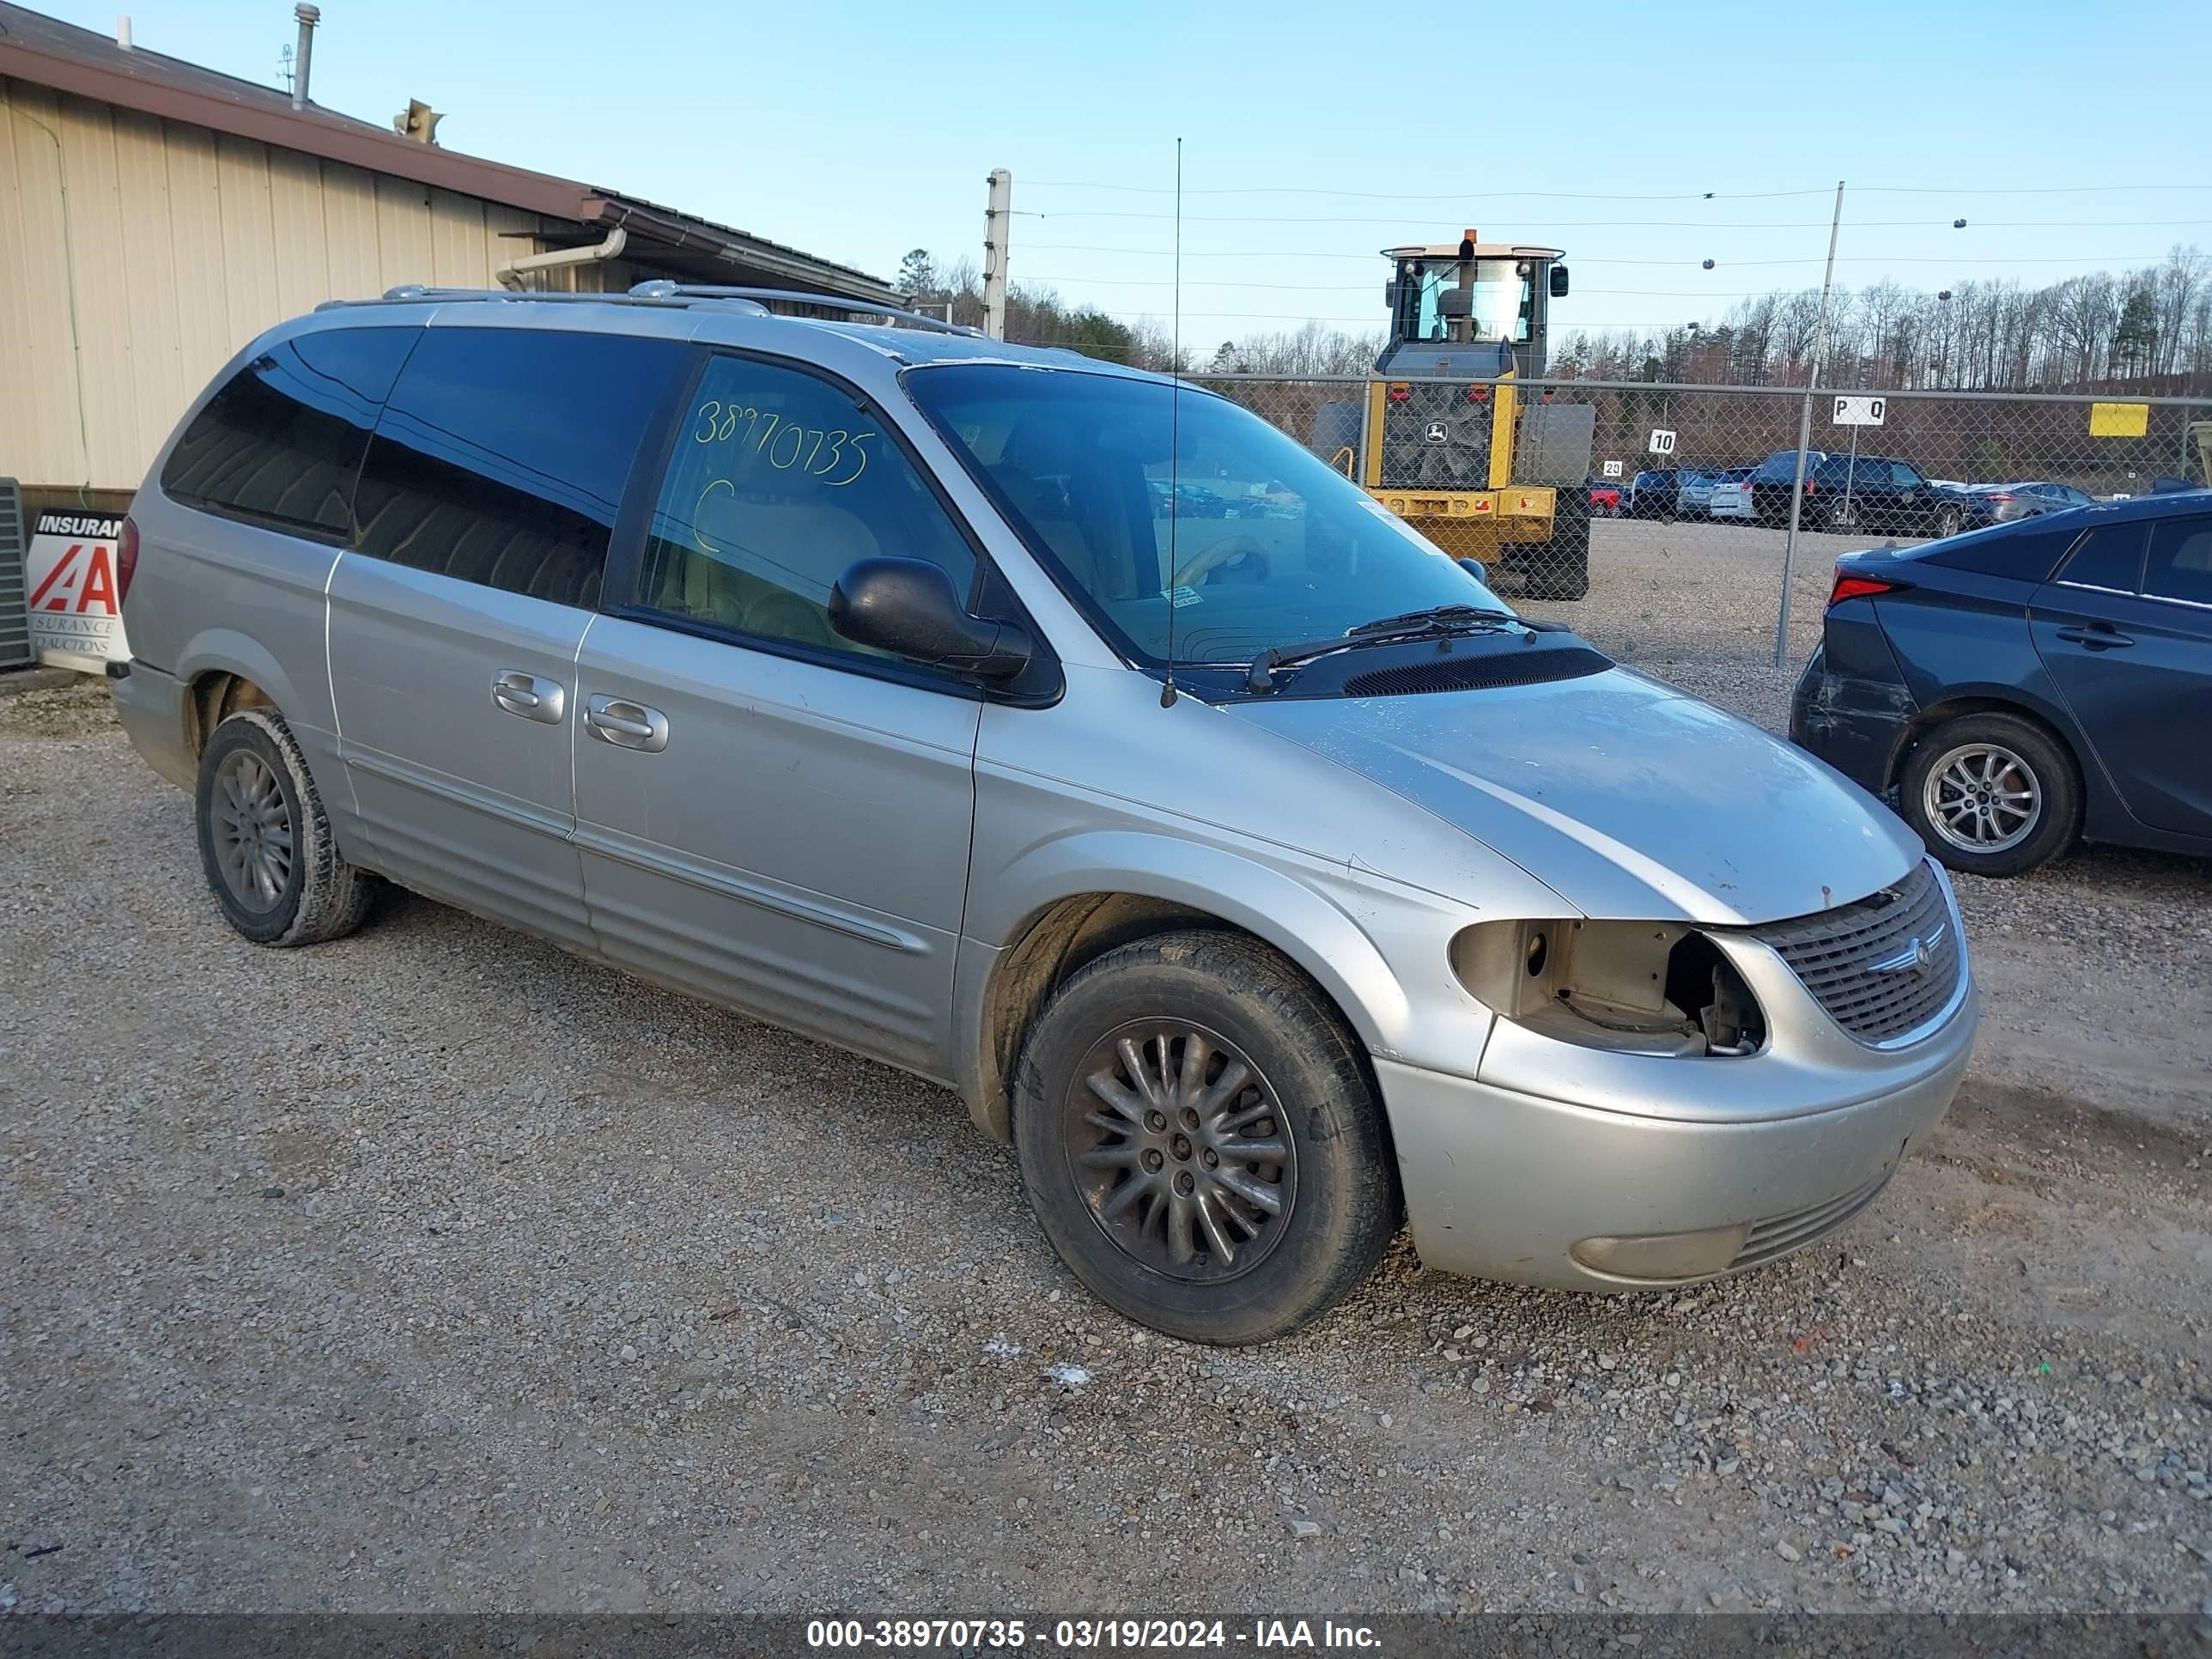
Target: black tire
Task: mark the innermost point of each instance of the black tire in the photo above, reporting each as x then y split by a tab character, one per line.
319	895
1560	568
2051	772
1338	1191
1947	522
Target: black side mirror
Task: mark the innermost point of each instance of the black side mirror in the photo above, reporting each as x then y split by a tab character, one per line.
910	607
1558	281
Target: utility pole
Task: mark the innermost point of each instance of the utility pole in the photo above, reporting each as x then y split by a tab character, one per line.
998	224
1804	437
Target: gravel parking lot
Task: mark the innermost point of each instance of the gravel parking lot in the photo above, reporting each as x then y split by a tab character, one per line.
438	1269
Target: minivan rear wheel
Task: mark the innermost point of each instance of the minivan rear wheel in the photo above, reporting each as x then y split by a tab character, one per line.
1200	1140
265	843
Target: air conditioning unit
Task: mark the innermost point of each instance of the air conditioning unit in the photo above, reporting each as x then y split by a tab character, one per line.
16	649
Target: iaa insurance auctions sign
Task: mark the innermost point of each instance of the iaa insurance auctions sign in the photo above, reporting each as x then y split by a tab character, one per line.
77	612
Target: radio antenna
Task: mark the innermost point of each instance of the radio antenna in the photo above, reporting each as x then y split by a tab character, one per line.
1175	445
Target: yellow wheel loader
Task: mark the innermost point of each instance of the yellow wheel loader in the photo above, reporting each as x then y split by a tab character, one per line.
1445	437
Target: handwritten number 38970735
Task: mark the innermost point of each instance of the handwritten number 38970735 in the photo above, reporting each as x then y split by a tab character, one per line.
832	454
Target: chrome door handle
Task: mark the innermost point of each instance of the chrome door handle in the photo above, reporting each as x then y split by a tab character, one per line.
2096	638
626	725
525	694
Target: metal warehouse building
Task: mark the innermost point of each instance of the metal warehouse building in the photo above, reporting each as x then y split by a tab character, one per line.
155	216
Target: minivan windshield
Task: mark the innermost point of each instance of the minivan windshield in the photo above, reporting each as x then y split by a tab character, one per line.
1149	503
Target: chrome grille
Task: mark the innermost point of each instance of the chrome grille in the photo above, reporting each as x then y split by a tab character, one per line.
1883	966
1781	1234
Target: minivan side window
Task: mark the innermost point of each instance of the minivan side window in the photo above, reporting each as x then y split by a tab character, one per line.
2180	565
503	453
281	443
778	482
2110	556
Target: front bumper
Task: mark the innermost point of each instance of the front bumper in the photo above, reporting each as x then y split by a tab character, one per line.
152	707
1554	1148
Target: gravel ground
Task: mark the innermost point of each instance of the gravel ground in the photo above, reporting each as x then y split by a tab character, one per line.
330	1283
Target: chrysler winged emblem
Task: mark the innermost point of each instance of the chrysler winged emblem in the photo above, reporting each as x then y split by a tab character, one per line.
1918	955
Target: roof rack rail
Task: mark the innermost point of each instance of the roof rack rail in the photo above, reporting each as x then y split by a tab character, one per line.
417	293
661	288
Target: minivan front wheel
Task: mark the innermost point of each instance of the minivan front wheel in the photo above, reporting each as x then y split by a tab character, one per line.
1200	1140
266	843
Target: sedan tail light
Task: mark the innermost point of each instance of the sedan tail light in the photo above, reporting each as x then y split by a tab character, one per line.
1850	585
126	559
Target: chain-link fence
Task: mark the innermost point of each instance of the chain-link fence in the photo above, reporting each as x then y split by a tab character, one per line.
1688	488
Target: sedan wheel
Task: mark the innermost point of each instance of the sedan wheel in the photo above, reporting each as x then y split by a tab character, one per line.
1992	794
1981	798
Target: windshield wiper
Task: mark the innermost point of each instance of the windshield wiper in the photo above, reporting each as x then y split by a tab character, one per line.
1438	623
1434	614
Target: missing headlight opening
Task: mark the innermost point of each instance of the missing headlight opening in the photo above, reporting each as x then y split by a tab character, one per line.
1636	988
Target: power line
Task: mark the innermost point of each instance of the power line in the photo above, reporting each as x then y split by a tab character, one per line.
1452	196
1686	224
1361	288
1615	195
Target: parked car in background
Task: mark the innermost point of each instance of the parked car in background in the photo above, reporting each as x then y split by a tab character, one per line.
1731	497
1604	498
2017	687
1844	493
1651	494
1988	504
1267	884
1693	491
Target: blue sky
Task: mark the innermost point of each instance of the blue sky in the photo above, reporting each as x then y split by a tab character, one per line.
859	131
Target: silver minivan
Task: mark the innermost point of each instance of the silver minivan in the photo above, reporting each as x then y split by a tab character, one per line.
1057	733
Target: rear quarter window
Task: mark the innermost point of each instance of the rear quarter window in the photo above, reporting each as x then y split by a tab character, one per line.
2111	556
2029	550
280	444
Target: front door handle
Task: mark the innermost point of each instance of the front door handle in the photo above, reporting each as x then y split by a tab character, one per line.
2098	636
525	694
626	725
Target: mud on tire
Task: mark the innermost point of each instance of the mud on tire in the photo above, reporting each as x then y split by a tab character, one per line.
266	841
1268	1186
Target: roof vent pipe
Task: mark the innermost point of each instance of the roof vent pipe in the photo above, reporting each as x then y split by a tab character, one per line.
123	31
308	16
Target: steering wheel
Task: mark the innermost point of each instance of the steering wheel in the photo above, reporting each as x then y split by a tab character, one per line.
1209	563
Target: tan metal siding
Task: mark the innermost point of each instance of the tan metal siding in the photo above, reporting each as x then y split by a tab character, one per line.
180	248
350	231
195	229
39	413
158	382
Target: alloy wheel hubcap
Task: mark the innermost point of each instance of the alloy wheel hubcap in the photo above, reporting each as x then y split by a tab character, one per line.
1178	1145
252	831
1981	798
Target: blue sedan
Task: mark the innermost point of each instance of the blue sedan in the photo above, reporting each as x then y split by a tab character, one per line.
2014	689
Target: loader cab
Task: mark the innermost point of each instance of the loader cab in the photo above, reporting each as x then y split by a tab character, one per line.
1476	308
